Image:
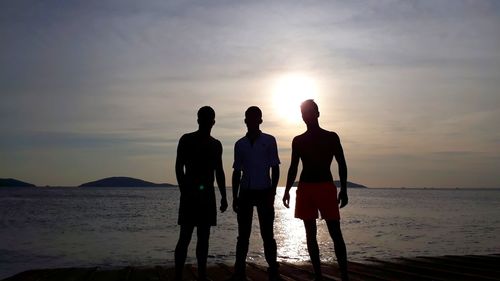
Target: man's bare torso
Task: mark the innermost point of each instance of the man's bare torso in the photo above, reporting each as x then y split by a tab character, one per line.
316	149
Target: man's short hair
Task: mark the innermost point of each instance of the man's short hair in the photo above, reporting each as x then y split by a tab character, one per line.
253	111
309	105
206	113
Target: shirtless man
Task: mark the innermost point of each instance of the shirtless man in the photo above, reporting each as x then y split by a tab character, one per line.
199	158
316	190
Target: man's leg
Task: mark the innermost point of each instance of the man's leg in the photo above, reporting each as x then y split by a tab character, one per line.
203	234
181	249
245	215
265	210
339	246
312	247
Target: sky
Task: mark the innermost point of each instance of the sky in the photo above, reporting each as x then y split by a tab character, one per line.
92	89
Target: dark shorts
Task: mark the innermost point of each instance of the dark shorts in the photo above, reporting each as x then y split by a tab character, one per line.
314	197
198	207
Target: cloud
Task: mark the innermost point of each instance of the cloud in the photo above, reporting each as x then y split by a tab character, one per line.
399	79
83	141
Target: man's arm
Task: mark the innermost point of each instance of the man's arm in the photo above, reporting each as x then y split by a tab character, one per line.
236	179
275	177
339	156
292	174
180	162
221	181
274	162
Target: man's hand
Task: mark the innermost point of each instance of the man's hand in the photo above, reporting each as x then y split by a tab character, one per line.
286	199
343	199
235	205
223	204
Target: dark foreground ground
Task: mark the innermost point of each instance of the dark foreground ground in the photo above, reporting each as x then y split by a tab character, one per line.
468	267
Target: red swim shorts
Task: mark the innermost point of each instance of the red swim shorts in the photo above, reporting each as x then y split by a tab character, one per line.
314	197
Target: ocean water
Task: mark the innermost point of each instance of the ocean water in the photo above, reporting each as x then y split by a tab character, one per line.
107	227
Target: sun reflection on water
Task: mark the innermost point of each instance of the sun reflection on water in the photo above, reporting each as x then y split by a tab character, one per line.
290	234
289	231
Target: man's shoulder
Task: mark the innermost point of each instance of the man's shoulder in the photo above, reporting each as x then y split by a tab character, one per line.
194	136
268	137
328	132
324	134
332	134
299	137
240	140
188	136
214	139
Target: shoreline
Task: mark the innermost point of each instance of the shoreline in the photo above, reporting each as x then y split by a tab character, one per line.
449	267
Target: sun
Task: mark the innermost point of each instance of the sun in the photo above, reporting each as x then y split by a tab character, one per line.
290	91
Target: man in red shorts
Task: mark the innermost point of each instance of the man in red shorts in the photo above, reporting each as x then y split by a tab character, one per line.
316	190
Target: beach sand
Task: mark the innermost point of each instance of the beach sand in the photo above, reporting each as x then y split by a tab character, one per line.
467	267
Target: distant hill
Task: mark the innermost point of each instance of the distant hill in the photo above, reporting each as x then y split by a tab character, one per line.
14	183
351	184
337	183
123	182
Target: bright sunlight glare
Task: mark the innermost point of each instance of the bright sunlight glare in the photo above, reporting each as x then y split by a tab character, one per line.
290	91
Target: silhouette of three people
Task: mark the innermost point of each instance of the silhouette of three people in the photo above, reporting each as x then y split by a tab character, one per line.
254	182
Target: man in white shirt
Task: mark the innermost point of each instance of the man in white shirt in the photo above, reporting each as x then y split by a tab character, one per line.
255	178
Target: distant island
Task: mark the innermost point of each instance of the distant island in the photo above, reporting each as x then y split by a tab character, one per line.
351	184
337	183
14	183
127	182
123	182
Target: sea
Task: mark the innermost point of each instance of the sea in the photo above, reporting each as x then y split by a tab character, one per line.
113	227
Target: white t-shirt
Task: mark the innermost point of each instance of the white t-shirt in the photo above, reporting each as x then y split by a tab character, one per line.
256	160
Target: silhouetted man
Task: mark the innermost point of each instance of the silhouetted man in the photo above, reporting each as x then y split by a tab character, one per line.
199	157
316	190
255	155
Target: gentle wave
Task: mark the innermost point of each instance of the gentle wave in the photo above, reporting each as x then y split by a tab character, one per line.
61	227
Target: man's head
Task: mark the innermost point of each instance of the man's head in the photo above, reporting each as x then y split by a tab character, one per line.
253	117
206	117
310	111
